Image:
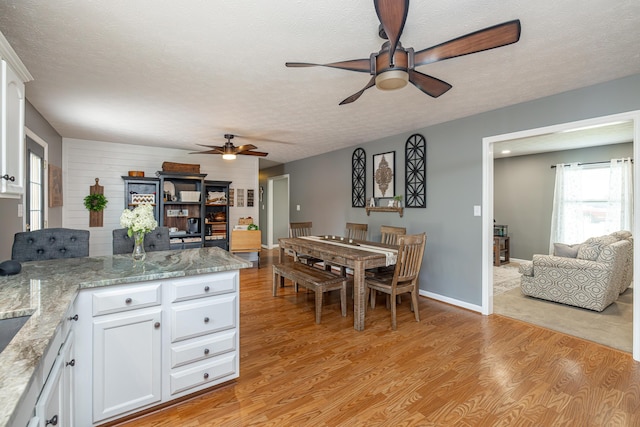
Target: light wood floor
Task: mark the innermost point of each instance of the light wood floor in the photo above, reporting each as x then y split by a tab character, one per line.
454	368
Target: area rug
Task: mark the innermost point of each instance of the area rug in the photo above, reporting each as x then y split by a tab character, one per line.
612	327
505	278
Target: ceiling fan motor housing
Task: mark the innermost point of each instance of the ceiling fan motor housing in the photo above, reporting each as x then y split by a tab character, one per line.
392	74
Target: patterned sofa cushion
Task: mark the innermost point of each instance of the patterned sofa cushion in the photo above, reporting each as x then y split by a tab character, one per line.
591	248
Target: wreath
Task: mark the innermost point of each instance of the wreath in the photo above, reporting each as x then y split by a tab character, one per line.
95	202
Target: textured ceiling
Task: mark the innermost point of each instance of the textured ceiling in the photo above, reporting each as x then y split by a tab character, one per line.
177	73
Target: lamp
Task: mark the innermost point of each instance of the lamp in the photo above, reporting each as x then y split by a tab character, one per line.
392	80
229	156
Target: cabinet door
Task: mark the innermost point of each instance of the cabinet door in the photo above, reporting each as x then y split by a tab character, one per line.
68	357
50	407
12	135
126	362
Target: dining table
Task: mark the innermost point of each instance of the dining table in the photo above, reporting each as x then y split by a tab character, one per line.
358	255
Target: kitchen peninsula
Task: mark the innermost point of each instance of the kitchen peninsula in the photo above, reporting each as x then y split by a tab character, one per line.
175	313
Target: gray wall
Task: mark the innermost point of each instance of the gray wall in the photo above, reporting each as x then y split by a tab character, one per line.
453	257
11	223
523	193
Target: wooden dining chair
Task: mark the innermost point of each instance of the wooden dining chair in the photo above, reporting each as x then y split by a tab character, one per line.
405	276
356	231
302	229
389	234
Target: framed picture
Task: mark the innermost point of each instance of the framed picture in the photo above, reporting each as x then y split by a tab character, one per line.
384	167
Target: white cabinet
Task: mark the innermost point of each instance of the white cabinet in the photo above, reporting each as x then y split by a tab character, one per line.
13	75
149	343
126	362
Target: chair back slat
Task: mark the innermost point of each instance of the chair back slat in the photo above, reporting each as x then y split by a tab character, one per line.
300	229
356	231
389	234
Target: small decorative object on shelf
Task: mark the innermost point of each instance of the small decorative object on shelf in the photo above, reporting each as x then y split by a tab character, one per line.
397	201
139	222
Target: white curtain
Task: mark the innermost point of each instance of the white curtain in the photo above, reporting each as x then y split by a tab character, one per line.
591	200
620	210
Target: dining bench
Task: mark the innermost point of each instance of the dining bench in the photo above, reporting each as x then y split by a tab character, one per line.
319	281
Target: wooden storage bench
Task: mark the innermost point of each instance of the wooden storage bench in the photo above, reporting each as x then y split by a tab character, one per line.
317	280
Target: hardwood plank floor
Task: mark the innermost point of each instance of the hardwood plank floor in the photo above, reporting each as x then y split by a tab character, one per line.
454	368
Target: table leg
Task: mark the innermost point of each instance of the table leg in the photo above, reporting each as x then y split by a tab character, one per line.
281	255
358	296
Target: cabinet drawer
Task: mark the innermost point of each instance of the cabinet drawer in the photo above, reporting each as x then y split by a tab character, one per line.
126	298
203	348
198	287
203	317
208	372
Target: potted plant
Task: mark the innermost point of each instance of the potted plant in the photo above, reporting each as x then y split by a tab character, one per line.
397	201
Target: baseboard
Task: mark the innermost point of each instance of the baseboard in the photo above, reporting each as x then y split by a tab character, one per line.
452	301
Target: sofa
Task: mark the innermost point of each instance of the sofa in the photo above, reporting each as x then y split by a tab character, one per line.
590	275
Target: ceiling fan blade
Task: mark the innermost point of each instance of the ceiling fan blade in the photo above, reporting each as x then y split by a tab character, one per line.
207	152
360	65
356	95
245	147
429	85
215	147
485	39
253	153
392	15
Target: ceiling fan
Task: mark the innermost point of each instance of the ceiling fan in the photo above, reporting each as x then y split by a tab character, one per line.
393	66
229	151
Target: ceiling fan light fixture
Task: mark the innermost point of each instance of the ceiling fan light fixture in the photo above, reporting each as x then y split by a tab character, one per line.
229	156
392	80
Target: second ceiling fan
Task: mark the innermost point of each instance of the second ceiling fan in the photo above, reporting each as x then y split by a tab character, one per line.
393	66
229	151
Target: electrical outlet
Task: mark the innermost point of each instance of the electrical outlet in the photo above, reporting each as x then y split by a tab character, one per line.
297	207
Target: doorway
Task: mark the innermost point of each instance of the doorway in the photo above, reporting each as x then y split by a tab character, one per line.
278	209
488	196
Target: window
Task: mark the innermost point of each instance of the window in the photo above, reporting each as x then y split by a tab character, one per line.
34	197
591	200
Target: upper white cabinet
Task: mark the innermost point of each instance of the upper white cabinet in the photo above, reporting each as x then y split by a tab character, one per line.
13	76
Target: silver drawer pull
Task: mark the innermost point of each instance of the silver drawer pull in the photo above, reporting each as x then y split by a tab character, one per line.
206	351
73	318
207	288
206	376
206	320
53	421
71	363
128	301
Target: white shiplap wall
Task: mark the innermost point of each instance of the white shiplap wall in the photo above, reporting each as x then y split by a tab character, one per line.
83	161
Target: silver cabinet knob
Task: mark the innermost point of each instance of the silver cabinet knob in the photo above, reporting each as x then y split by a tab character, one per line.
207	288
206	351
206	376
206	320
156	325
128	301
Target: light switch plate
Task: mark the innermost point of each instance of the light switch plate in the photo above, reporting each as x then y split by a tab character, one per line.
477	210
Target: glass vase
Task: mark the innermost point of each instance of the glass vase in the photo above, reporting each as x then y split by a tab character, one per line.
138	248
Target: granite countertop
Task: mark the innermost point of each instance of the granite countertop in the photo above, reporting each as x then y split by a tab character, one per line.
44	290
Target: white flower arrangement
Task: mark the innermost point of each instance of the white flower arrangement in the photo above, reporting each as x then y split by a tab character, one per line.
139	220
